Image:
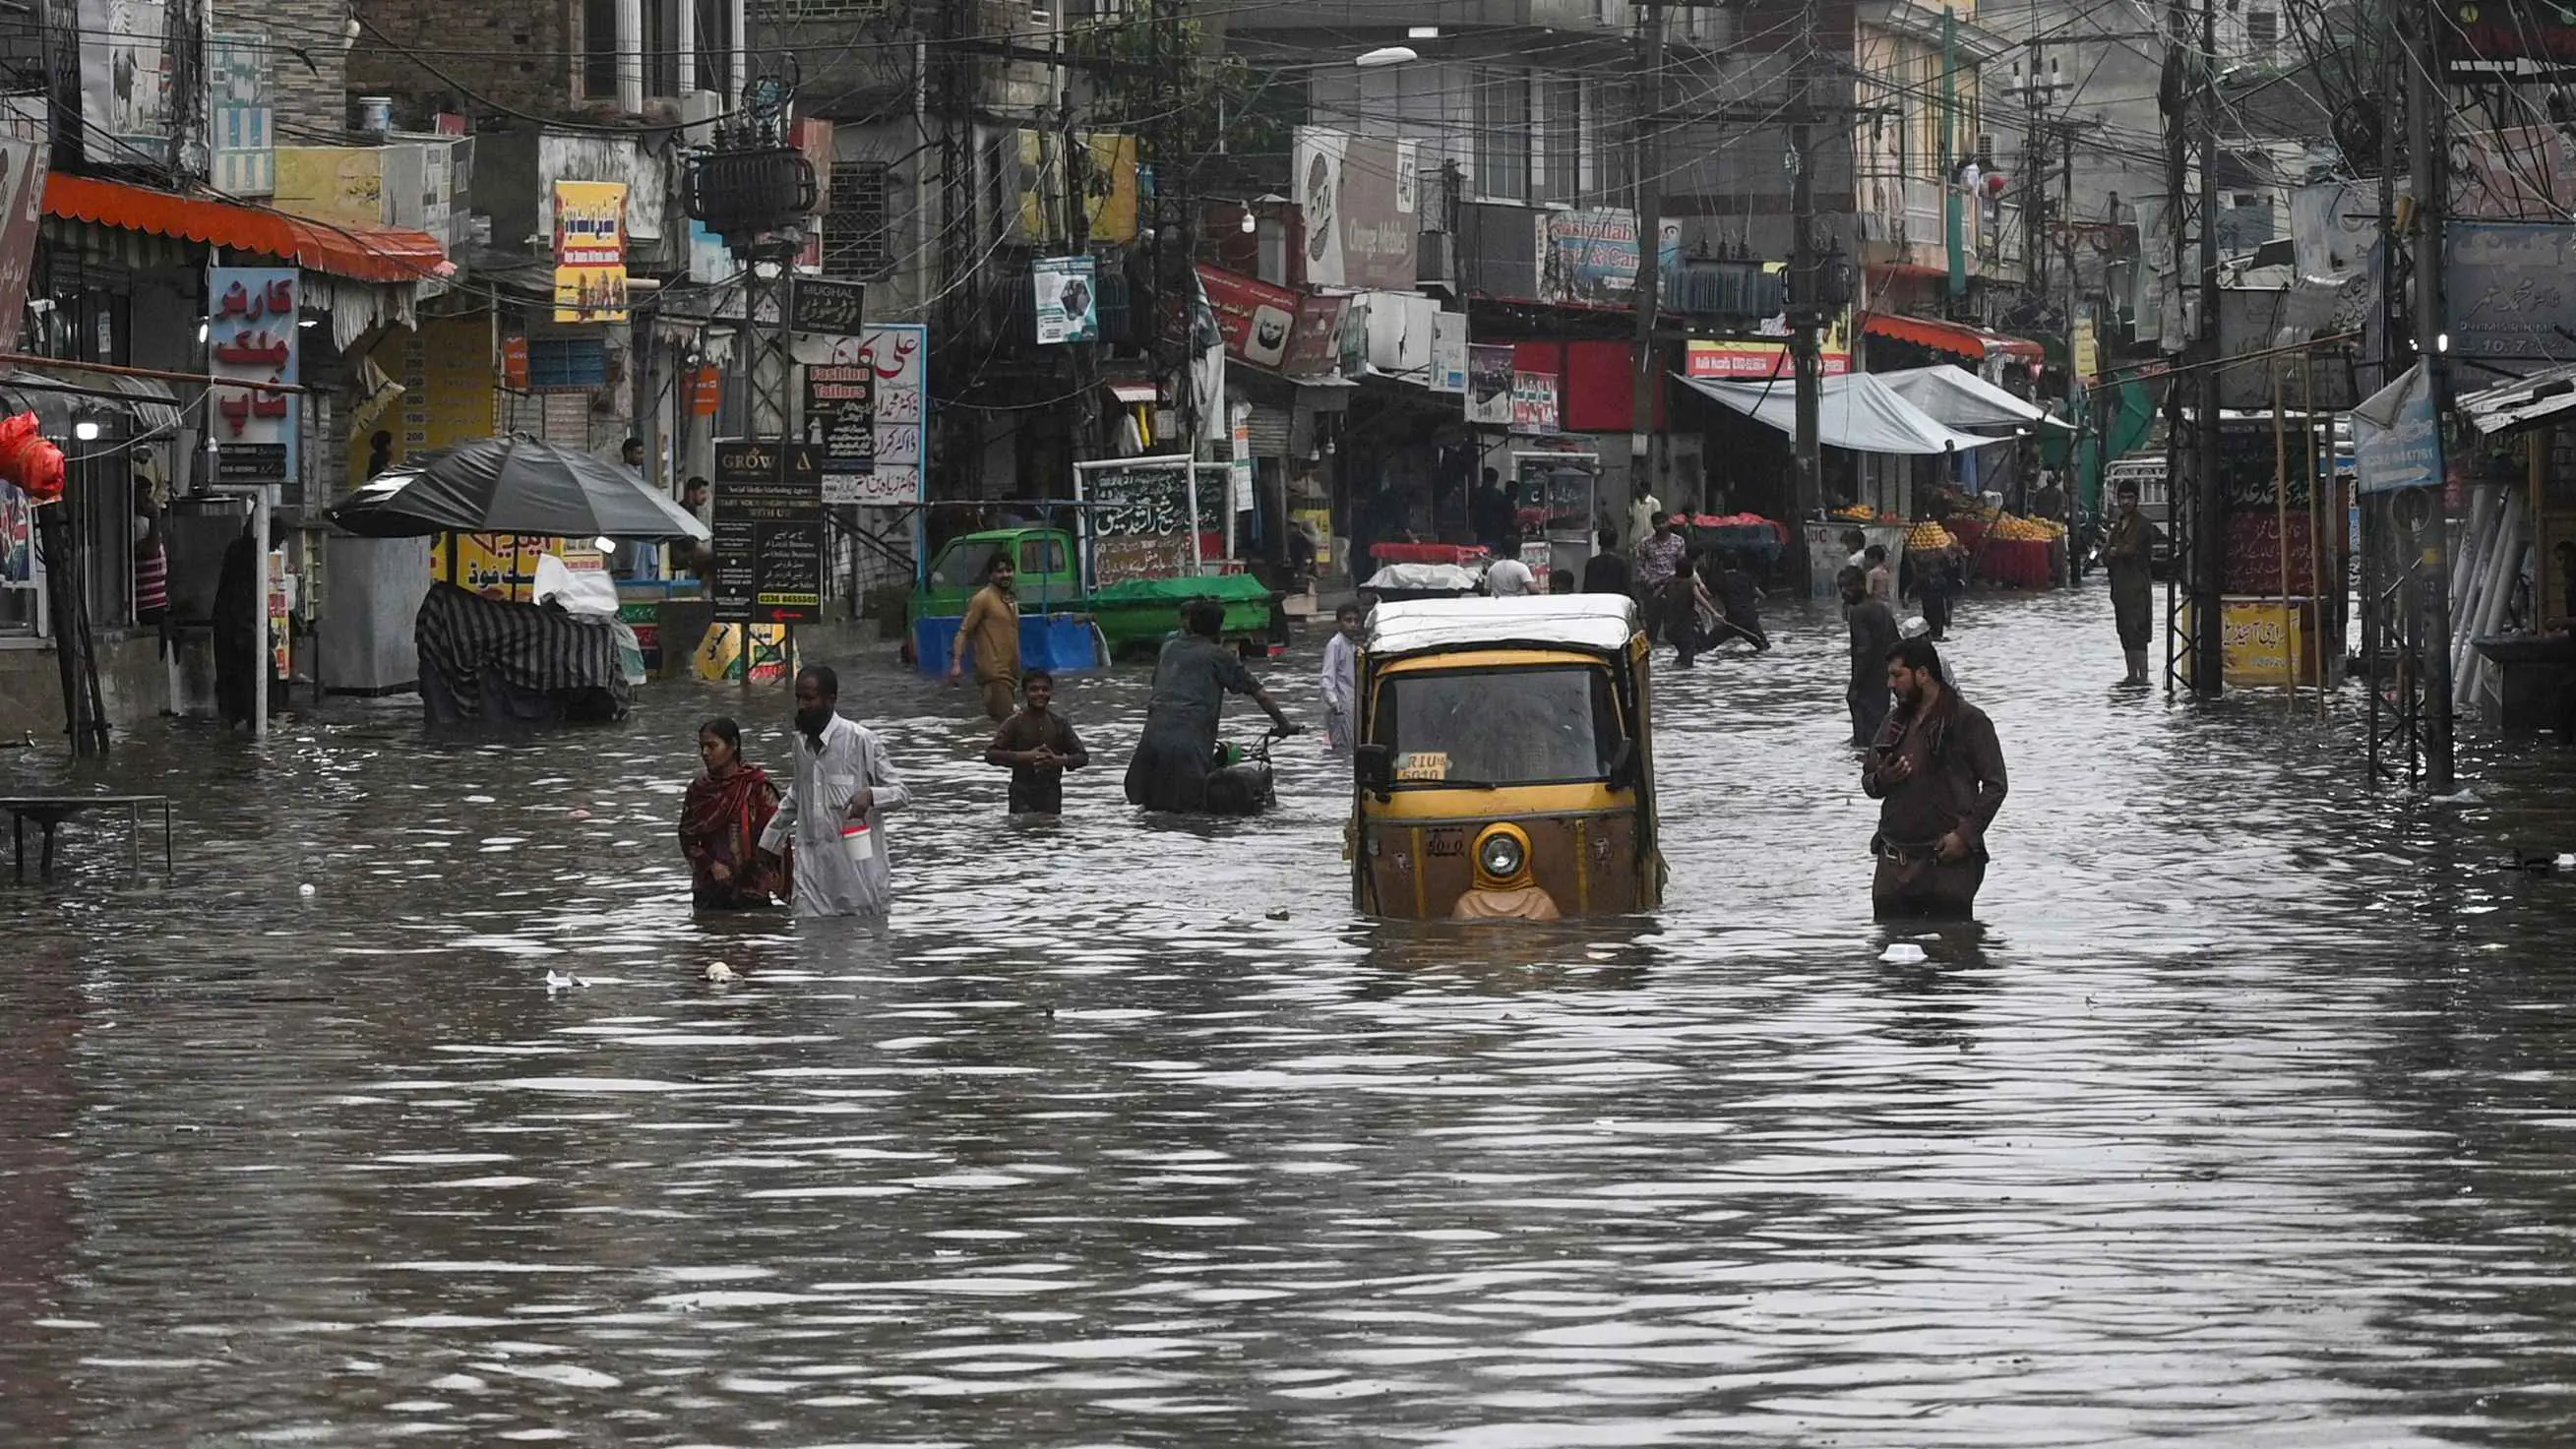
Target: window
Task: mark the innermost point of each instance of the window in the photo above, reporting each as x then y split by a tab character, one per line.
1503	135
1606	146
706	32
1561	140
2262	34
1485	727
567	363
1042	557
599	49
855	243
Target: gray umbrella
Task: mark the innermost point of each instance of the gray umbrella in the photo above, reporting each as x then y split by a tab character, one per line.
513	485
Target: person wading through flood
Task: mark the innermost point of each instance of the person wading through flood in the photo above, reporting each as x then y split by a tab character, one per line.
1873	630
1937	772
835	808
991	631
720	825
1341	681
2131	551
1192	677
1658	558
1038	745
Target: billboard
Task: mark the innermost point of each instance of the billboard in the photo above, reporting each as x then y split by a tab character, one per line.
1358	198
1590	255
1067	298
590	251
897	356
251	338
239	113
22	214
1254	316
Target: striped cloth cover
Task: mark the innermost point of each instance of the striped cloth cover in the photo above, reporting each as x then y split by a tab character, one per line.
472	643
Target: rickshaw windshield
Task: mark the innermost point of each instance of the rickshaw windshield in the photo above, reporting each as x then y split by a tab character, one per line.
1478	728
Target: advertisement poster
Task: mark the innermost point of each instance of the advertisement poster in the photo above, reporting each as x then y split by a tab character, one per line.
251	338
1591	255
17	539
239	110
590	251
1449	352
2396	443
1315	340
841	415
1109	187
1145	528
22	213
1068	299
1254	316
125	73
768	533
1489	386
1357	197
1534	402
897	357
1239	455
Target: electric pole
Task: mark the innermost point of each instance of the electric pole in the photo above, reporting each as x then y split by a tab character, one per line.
1806	299
1650	249
2209	501
2425	140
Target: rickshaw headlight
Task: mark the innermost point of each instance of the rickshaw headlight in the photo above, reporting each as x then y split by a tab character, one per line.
1500	855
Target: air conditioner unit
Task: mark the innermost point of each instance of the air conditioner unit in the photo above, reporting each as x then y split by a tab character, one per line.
698	111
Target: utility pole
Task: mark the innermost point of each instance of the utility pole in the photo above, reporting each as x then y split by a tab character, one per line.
1806	309
2209	503
1954	206
2424	143
1650	251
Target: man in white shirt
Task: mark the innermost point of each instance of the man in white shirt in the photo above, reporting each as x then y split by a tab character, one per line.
1507	577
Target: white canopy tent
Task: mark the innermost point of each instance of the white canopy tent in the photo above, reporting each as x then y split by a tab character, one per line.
1856	410
1961	399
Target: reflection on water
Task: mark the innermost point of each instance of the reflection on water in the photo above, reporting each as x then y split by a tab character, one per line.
2240	1119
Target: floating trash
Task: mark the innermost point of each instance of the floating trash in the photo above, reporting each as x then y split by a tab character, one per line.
719	971
1901	953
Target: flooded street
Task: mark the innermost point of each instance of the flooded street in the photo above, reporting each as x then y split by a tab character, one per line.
2245	1117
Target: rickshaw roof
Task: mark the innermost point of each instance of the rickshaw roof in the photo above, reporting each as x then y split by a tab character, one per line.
1595	623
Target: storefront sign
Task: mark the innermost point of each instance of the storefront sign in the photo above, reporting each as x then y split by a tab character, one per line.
1449	352
2507	41
2396	444
840	415
1489	386
590	251
1356	194
898	356
1239	465
1315	342
1740	359
251	338
239	109
125	71
1254	316
768	533
22	214
2509	290
2087	350
1534	402
706	390
831	309
17	539
1068	299
1591	255
1145	527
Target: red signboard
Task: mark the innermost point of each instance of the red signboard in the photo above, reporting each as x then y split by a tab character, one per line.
1753	361
22	209
1315	343
1255	316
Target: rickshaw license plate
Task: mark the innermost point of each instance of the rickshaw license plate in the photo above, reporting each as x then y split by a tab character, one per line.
1423	765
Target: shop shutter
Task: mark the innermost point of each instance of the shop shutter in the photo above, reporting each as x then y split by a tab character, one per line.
1269	426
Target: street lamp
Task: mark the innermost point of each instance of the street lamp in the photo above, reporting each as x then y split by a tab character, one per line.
1387	55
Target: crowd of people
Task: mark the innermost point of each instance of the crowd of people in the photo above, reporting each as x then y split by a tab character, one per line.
1929	757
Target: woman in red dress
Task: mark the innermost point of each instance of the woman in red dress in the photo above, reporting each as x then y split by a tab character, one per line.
720	825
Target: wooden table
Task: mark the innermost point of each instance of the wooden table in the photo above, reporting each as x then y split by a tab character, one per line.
50	811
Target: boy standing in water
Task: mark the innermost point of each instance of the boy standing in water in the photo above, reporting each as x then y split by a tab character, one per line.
1038	746
1342	678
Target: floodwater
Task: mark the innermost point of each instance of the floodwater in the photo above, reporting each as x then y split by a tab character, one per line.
2245	1118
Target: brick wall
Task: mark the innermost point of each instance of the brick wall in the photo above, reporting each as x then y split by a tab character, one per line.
314	97
509	53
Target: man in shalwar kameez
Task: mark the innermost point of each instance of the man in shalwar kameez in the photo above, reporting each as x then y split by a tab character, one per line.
842	779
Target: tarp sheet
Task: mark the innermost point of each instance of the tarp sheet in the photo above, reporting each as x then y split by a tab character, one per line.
494	662
1597	623
1223	587
1855	411
1963	400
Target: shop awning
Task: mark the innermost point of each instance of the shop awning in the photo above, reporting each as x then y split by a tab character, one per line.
1955	337
361	253
2521	402
1963	400
1854	411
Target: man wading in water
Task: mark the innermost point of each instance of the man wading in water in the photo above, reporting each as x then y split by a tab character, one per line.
2130	551
1938	775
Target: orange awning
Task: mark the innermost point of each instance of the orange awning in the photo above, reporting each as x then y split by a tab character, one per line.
361	253
1954	337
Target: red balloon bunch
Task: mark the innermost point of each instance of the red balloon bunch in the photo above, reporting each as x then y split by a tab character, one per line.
29	459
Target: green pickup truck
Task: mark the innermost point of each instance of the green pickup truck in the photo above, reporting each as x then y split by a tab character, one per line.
1133	615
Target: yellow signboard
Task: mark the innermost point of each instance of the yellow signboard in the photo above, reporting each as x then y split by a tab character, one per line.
344	185
2088	350
590	251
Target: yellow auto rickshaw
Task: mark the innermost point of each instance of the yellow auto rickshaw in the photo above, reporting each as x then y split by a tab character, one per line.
1505	761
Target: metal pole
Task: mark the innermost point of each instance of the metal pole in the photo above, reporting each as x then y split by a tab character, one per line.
2169	307
2425	139
2076	414
1953	206
1650	250
2209	513
259	507
1806	313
